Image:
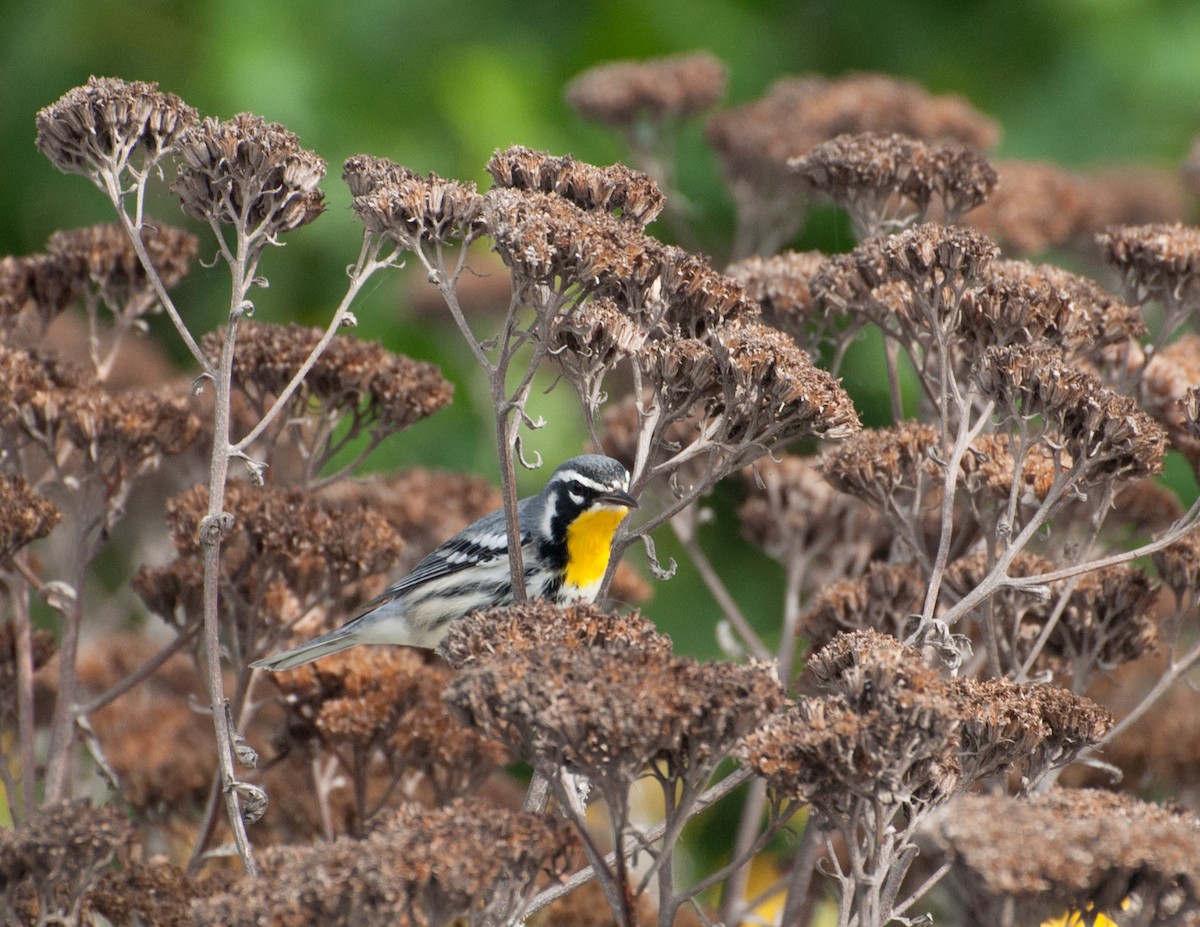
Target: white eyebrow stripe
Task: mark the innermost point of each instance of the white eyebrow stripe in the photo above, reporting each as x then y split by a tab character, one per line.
573	476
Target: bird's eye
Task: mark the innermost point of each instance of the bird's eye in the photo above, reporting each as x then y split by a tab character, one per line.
575	497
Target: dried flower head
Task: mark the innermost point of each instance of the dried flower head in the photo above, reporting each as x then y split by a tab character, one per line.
1156	262
407	208
889	180
614	189
119	436
1105	434
688	297
1034	207
155	892
1078	850
358	379
25	515
43	646
798	113
104	256
48	863
546	239
386	701
287	553
623	93
96	127
160	748
1031	728
249	173
418	868
496	633
594	338
608	712
881	466
37	286
780	285
793	511
885	728
1167	380
771	389
1178	566
884	599
989	469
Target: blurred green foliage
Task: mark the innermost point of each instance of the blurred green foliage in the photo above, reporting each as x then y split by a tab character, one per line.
438	86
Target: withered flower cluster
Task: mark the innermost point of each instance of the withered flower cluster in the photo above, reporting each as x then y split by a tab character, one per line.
371	700
587	696
623	93
890	738
287	553
25	515
603	704
77	425
757	141
248	173
1071	851
780	286
104	256
877	177
1037	206
401	206
691	332
419	868
794	511
159	748
614	189
48	864
355	383
1106	435
93	129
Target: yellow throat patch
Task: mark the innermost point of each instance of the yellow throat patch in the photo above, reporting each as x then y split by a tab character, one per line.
589	542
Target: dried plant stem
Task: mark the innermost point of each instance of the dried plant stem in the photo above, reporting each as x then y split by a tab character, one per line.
23	628
804	863
62	725
703	802
684	525
141	674
747	835
133	228
367	264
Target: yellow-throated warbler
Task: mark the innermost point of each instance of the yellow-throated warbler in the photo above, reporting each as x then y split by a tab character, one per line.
566	537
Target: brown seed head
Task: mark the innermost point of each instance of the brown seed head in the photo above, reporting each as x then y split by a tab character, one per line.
497	633
249	173
104	256
351	376
98	125
622	93
780	285
1103	430
1159	262
757	140
25	515
418	867
610	711
1075	850
407	208
614	189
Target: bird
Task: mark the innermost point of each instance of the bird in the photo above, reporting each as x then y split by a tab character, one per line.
567	532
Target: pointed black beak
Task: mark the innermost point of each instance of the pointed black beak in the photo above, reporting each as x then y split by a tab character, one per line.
617	497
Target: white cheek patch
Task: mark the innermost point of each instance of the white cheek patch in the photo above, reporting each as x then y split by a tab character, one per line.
575	497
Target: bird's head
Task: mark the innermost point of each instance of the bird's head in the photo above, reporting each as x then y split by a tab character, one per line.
585	484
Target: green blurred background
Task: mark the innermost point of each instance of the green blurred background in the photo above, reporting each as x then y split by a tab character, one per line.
439	86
